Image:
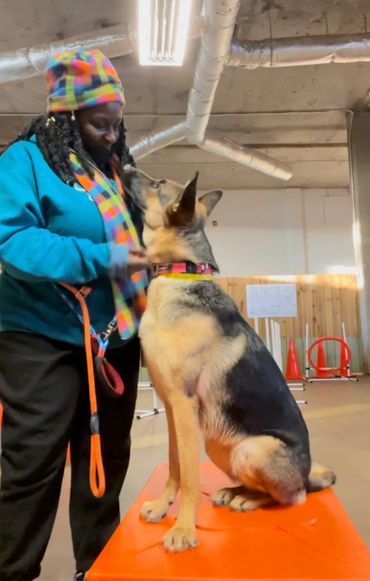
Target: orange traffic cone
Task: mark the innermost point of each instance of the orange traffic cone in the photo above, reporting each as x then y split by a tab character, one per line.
292	365
321	362
1	415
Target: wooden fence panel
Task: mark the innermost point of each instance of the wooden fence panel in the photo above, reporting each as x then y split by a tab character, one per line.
323	301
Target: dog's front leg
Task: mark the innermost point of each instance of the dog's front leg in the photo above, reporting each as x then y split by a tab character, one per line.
183	535
155	510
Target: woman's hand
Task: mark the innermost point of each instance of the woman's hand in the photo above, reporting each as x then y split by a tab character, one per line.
137	260
125	262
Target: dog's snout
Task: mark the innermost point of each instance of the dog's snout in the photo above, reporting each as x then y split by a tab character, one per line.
127	168
157	183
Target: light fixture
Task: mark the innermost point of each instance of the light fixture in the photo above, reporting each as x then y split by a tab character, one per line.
163	31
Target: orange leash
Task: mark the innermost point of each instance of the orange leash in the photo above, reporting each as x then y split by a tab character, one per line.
97	476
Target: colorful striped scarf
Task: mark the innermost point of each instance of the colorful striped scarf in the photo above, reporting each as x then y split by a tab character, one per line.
129	293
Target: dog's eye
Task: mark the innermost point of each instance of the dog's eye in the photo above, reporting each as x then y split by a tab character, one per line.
156	185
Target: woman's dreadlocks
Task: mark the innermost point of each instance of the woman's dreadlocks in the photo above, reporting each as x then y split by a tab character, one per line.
58	133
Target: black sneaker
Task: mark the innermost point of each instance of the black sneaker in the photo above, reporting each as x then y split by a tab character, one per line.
79	576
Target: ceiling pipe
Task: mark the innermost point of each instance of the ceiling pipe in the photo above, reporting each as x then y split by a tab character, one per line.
29	62
155	141
219	23
298	52
220	18
283	52
249	157
215	53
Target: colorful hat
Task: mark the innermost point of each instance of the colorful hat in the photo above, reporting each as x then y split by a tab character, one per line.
80	79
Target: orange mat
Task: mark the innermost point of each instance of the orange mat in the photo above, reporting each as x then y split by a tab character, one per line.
313	541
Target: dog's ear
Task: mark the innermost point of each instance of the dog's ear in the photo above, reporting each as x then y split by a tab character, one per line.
210	199
181	212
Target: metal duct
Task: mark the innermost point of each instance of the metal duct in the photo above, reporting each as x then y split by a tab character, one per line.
220	22
155	141
294	52
220	18
249	157
29	62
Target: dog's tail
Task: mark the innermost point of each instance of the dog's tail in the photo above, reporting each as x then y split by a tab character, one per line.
320	477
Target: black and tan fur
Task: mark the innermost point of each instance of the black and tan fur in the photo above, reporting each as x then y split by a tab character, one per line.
212	371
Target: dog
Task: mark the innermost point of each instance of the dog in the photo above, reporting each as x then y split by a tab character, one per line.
213	372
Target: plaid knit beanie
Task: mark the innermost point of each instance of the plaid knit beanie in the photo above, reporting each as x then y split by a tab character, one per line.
80	79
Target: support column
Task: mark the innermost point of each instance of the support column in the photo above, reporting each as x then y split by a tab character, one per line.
358	126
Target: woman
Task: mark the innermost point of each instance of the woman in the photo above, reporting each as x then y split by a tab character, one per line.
64	219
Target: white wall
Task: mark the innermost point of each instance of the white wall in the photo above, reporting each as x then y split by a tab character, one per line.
292	231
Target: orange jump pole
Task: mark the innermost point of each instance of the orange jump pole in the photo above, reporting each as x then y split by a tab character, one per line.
312	541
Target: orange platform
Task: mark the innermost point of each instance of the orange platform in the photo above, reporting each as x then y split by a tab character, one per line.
316	540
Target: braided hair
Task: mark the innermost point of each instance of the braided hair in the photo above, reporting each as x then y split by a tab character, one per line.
56	134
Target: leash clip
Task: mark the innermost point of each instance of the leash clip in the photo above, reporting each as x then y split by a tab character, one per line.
105	335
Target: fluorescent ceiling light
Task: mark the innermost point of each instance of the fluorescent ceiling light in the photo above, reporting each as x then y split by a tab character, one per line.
163	31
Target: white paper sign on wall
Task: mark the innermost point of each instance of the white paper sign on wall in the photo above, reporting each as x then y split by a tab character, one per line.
271	300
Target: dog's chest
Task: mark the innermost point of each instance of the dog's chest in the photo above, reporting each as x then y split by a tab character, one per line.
163	302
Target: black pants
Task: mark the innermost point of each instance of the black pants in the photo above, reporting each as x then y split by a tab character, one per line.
43	389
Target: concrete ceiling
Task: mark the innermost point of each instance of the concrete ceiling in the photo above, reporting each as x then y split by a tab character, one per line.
295	114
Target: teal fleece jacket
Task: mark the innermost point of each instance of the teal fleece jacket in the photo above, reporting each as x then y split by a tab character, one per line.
50	232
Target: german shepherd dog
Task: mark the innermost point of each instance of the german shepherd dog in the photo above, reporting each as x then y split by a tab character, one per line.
213	372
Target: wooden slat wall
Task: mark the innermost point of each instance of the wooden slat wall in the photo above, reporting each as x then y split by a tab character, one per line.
324	302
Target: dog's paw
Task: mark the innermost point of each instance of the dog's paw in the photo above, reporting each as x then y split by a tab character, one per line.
240	499
155	510
242	503
246	502
180	538
224	496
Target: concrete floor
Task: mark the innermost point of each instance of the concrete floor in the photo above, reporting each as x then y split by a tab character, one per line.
338	417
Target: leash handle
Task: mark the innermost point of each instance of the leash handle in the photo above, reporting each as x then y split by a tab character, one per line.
97	475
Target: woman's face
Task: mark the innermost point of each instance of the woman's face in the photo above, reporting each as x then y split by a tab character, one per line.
99	129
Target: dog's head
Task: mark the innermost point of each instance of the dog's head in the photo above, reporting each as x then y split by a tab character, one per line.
173	213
